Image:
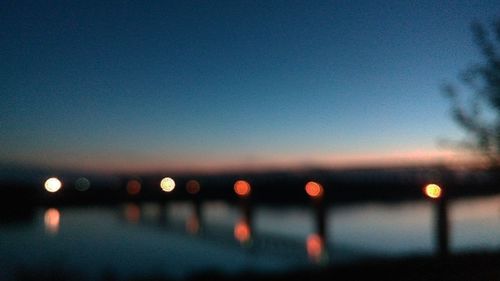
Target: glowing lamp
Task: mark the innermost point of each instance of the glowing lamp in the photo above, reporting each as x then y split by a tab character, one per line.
82	184
193	187
242	188
133	187
167	184
314	189
433	191
53	185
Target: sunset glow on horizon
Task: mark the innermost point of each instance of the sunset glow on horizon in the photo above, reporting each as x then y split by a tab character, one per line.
249	139
236	100
223	163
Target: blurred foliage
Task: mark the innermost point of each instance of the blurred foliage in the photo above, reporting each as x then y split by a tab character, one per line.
479	112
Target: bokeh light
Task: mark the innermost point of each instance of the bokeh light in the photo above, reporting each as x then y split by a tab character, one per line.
53	184
433	191
82	184
132	213
133	187
242	231
242	188
167	184
51	220
314	189
315	247
193	224
193	187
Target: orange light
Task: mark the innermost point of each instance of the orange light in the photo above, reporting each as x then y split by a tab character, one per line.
433	191
133	187
167	184
193	224
242	188
315	247
132	213
51	220
52	185
314	189
193	187
242	231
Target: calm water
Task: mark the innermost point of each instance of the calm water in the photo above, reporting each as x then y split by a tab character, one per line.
177	240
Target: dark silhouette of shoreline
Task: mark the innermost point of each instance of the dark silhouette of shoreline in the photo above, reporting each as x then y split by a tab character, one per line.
19	200
276	188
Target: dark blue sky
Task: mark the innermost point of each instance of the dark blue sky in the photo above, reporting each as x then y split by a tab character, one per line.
224	84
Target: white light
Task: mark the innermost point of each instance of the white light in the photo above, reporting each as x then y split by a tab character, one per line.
53	185
167	184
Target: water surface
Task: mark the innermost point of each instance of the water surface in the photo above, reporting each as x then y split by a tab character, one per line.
179	239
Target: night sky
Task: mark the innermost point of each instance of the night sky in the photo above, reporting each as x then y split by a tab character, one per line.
211	85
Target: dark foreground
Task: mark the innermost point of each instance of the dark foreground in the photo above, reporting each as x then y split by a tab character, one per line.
472	266
484	266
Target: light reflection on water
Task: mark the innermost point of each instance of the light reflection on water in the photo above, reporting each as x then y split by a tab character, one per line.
193	224
51	219
150	236
315	246
132	212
